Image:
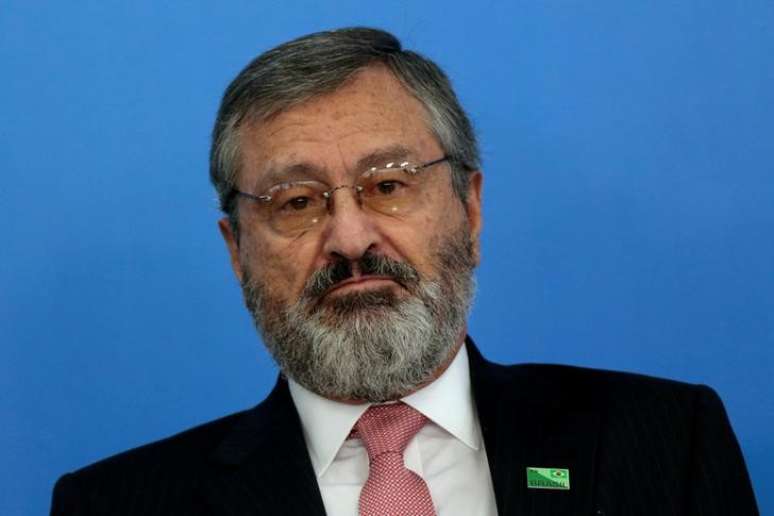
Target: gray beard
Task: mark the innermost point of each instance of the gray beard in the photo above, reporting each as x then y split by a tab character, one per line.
374	345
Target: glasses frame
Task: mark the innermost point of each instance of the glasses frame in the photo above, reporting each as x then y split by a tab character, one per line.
413	170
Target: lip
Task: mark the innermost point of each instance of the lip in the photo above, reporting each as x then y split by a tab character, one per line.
362	283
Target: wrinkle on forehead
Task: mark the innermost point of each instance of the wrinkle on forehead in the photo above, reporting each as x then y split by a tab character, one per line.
335	131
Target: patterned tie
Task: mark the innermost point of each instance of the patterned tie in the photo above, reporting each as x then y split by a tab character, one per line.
391	488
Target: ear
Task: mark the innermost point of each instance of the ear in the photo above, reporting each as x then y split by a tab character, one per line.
232	245
473	211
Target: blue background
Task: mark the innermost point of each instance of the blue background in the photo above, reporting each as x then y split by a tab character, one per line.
628	206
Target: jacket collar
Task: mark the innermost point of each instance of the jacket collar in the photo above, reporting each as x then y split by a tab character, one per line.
263	466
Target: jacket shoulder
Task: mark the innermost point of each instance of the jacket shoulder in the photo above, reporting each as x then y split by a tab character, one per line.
156	478
581	387
609	390
184	448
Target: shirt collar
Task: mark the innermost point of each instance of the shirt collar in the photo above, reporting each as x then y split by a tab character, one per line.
447	401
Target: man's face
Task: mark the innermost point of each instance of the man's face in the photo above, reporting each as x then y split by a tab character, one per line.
363	305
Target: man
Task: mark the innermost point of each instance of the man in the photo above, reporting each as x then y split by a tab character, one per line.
349	176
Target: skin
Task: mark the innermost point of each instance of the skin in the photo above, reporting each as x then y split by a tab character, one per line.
332	134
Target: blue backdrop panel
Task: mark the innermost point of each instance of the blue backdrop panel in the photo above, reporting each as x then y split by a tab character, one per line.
628	206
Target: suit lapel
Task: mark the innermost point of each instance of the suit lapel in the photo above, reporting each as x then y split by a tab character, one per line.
263	466
527	421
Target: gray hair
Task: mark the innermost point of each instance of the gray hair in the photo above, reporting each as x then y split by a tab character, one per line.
319	63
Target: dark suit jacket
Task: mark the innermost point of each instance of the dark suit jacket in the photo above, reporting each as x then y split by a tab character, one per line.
634	446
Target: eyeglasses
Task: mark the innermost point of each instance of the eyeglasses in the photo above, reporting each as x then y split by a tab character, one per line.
294	207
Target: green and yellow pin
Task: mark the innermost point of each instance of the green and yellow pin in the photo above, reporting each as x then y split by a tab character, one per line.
548	478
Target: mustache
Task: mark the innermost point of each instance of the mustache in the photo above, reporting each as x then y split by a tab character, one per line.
369	264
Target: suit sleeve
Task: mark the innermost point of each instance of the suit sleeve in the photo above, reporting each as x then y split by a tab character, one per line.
718	477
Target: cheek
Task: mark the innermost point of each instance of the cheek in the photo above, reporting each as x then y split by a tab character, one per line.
438	230
282	269
415	241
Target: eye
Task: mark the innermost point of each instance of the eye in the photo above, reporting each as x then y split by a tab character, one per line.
387	187
297	203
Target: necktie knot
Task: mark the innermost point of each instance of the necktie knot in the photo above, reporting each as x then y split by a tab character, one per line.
388	428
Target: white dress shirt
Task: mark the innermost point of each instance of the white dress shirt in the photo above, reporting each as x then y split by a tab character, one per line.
448	452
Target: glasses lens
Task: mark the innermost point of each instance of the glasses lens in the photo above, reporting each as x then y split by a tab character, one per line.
391	191
296	207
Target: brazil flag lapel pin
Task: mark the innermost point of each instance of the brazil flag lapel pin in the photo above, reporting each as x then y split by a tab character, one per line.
548	478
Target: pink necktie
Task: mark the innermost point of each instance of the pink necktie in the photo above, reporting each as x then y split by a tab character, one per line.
391	488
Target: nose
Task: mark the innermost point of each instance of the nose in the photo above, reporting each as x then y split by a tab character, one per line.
350	231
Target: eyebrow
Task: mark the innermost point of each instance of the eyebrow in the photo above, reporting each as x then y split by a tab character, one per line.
274	175
383	156
284	174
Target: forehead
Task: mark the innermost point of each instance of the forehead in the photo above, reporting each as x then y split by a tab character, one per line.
370	114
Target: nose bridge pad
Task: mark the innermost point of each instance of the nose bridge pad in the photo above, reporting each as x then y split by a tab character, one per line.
356	189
